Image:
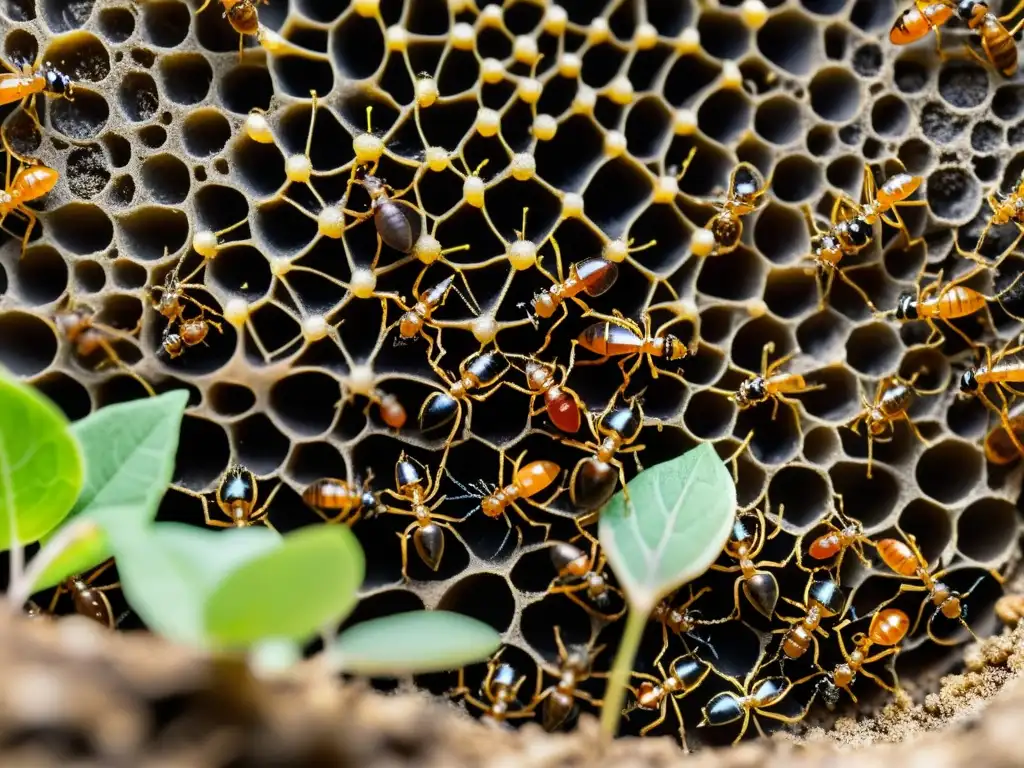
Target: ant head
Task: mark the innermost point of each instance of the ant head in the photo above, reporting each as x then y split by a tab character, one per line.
969	10
537	374
751	391
674	348
544	304
57	82
906	306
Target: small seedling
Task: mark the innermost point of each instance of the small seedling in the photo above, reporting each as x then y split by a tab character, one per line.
672	528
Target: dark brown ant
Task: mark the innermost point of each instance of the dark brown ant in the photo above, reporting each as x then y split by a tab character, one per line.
615	431
823	599
578	573
77	323
89	601
893	398
593	277
415	486
759	586
500	691
654	694
746	192
189	333
236	496
680	620
575	665
752	698
482	370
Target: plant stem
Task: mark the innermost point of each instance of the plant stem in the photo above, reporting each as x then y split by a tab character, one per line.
23	584
615	693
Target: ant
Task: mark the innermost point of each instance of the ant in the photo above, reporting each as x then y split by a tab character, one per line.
243	16
996	41
350	500
563	405
688	672
888	628
415	486
823	599
617	335
746	192
905	559
31	182
392	412
682	621
172	293
940	302
615	431
527	482
850	536
848	235
77	323
26	83
594	277
482	370
190	333
1000	370
1000	448
893	398
89	601
395	226
752	699
411	324
580	572
1006	209
769	384
575	665
500	691
236	496
759	586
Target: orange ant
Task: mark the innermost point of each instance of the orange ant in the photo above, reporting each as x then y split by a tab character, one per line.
888	628
823	599
940	302
848	235
500	690
415	487
350	500
89	601
759	586
575	665
236	496
617	335
190	333
1001	371
593	277
1006	209
392	412
27	82
905	559
850	536
746	192
752	699
562	405
580	572
419	315
893	398
682	621
688	672
77	323
31	182
242	15
996	40
527	482
769	384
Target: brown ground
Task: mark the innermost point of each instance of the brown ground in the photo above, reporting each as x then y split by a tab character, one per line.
72	691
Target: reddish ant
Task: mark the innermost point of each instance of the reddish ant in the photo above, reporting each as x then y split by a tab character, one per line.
850	536
562	405
688	672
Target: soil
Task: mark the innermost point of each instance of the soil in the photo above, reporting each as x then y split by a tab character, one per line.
75	693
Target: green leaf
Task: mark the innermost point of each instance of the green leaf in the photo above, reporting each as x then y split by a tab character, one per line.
291	592
674	527
413	643
169	570
40	464
130	449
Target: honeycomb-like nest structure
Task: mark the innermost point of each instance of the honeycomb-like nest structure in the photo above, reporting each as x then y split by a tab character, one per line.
584	113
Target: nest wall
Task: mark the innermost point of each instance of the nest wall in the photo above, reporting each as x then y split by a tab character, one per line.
584	114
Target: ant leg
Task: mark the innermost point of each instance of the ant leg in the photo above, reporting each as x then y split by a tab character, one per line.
1016	9
861	292
534	523
270	498
551	330
661	718
29	227
117	362
916	431
404	536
